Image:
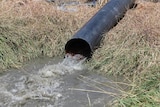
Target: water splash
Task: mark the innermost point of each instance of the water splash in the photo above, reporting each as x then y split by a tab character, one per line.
51	86
18	89
69	65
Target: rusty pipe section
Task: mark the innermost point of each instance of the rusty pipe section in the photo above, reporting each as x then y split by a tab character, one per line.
88	38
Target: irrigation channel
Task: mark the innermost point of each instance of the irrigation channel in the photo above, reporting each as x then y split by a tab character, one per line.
56	82
66	82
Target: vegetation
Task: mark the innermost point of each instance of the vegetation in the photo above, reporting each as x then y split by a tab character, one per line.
132	49
30	29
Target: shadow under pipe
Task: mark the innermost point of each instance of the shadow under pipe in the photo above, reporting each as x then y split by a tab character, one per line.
88	38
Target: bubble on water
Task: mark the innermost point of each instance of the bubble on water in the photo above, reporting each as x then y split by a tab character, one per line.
10	97
29	89
69	65
14	90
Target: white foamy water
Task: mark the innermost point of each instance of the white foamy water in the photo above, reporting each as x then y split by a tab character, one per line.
69	65
18	87
53	83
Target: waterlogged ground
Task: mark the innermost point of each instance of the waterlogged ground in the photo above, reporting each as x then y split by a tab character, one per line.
47	82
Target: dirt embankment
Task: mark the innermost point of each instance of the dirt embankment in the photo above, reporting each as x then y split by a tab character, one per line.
34	28
144	20
31	28
133	45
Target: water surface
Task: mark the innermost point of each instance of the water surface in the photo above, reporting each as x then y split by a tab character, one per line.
55	82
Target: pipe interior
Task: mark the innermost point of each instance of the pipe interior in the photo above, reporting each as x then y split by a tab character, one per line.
78	46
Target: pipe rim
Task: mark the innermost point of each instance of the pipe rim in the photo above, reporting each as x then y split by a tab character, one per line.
78	46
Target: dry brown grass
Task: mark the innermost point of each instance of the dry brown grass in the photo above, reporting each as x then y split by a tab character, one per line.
50	28
33	28
145	20
29	29
132	49
135	41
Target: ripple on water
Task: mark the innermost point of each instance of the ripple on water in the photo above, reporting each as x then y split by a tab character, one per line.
54	85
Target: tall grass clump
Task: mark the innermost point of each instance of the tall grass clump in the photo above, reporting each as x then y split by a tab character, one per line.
132	50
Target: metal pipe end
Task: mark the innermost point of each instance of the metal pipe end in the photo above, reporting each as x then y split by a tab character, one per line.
78	46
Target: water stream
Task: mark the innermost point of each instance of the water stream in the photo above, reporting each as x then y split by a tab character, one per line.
57	82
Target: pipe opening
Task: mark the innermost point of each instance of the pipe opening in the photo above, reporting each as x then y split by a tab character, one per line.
78	46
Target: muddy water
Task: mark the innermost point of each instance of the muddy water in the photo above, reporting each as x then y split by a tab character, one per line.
57	82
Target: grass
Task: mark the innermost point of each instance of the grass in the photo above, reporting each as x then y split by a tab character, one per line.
132	49
146	92
31	29
139	64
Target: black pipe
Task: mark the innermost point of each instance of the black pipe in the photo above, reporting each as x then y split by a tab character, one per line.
87	39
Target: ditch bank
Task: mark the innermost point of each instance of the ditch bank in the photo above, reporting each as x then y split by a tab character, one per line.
131	49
